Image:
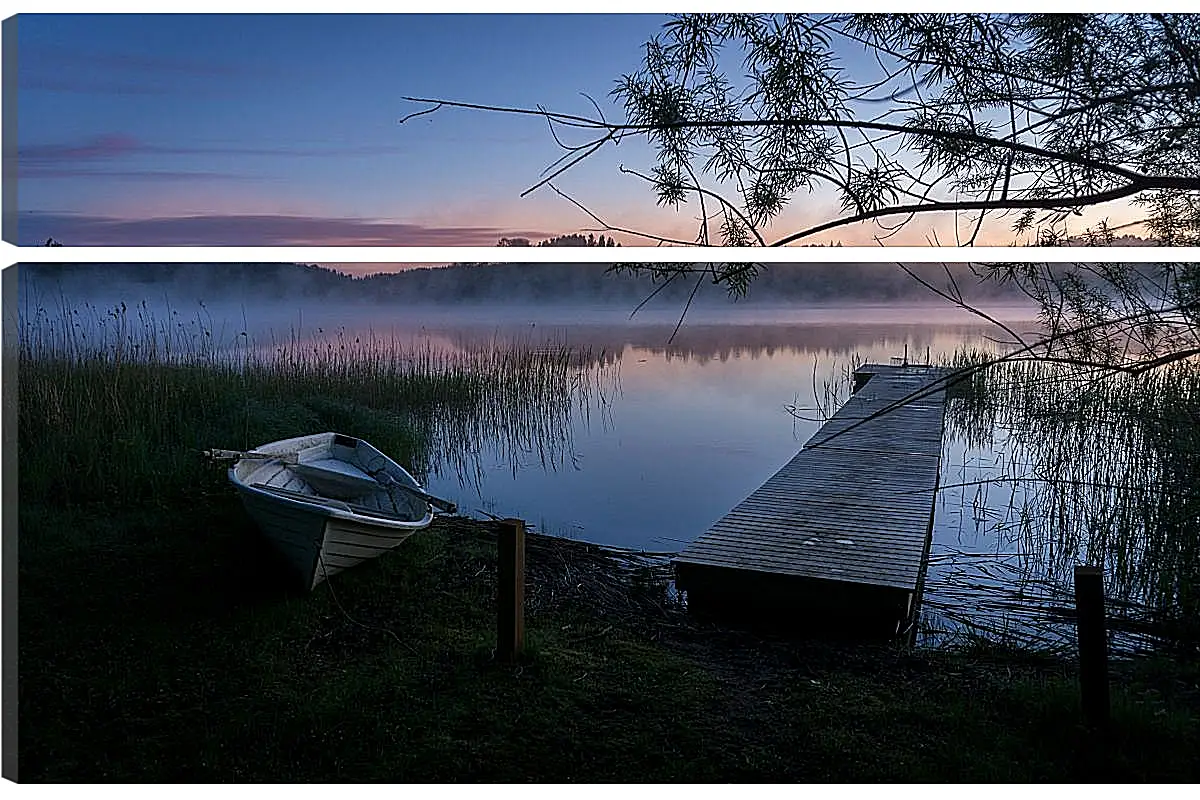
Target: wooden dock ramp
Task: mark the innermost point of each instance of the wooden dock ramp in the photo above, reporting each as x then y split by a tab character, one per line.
838	538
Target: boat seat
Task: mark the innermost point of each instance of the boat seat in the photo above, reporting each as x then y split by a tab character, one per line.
333	477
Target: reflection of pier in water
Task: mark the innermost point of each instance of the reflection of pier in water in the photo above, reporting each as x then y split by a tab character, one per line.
840	535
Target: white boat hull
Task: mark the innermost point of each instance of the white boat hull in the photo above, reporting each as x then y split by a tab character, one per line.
317	535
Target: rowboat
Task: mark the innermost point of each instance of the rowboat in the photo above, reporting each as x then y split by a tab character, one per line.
329	501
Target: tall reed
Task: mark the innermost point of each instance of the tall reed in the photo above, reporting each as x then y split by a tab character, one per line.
1093	467
115	405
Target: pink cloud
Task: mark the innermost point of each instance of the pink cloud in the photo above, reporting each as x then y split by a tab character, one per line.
253	230
117	145
107	145
138	175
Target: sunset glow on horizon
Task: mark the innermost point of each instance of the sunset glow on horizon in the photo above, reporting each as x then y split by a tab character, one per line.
283	130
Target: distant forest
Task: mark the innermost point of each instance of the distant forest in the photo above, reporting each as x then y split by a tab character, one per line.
570	240
490	283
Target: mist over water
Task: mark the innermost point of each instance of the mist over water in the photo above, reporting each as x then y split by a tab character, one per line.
281	299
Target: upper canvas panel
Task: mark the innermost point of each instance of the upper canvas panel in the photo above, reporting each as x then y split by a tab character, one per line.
478	130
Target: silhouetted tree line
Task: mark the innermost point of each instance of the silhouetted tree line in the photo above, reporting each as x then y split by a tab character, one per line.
233	280
500	283
570	240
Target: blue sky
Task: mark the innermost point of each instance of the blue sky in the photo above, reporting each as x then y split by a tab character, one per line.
283	130
140	116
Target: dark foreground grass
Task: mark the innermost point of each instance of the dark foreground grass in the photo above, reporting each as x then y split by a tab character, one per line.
160	645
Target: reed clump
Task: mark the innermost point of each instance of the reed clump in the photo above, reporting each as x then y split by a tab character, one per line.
116	405
1098	467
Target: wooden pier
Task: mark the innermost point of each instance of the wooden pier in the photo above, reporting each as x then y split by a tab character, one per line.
837	540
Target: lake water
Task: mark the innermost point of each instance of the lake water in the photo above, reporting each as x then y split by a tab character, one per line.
686	429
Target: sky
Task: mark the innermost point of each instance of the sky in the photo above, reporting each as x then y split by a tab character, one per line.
283	130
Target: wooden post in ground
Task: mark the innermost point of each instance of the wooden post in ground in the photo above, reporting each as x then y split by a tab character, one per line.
1093	645
510	605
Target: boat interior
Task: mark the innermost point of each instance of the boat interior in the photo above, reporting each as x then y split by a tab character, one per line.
337	471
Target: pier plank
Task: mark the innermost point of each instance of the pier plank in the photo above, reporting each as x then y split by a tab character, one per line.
854	505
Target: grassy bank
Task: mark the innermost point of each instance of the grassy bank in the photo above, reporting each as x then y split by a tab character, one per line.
158	642
157	645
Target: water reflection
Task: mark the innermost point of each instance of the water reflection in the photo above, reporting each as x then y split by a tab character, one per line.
1050	467
691	427
830	335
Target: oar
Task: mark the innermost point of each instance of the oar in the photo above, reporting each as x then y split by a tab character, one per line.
229	455
329	502
386	480
436	502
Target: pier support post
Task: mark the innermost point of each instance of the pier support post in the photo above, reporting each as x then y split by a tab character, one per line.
510	606
1093	645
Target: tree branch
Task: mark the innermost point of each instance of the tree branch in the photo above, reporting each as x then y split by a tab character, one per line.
971	205
1151	181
